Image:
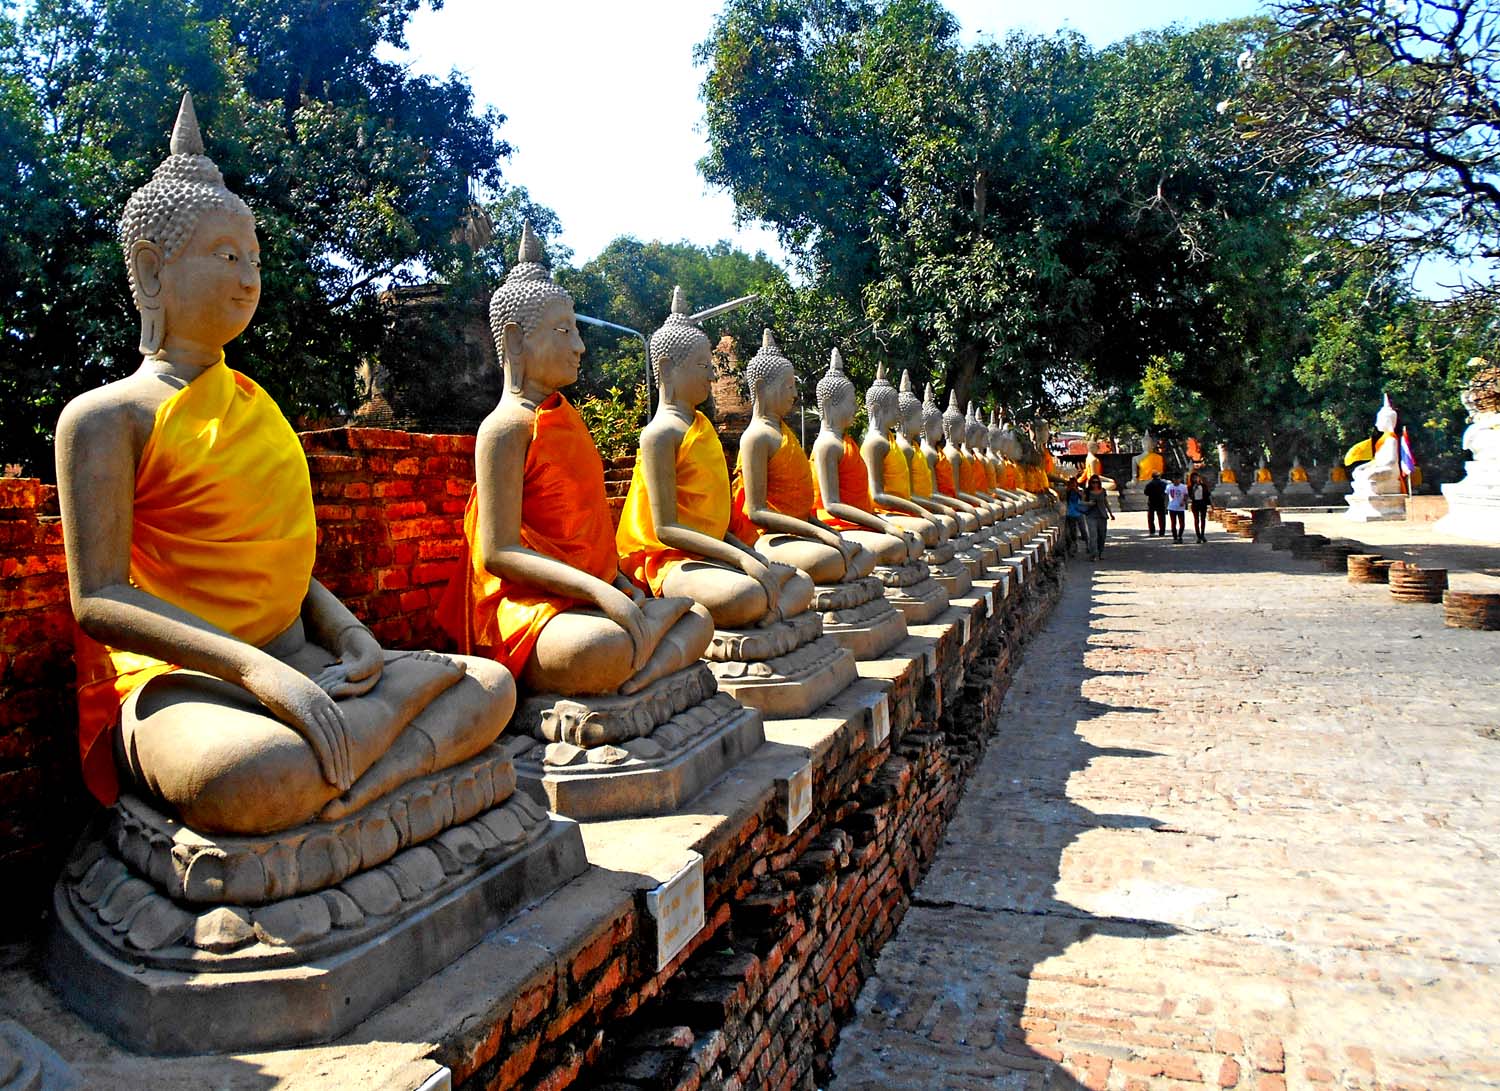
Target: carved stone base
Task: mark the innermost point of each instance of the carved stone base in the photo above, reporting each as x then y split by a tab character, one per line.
1298	493
1262	494
166	976
1334	491
856	615
1375	507
912	590
953	577
783	670
620	756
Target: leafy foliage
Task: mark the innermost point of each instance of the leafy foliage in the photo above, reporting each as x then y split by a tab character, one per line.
360	174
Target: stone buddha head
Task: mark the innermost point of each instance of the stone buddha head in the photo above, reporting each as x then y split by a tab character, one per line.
908	409
532	321
974	430
837	399
681	356
190	248
771	378
882	404
932	418
954	424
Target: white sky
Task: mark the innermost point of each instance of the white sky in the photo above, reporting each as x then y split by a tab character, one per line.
602	109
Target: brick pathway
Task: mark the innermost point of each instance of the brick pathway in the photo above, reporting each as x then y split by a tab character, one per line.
1238	828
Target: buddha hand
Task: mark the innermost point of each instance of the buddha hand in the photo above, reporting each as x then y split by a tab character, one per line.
622	610
765	575
358	669
302	705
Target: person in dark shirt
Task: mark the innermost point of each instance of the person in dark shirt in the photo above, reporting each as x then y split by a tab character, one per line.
1156	505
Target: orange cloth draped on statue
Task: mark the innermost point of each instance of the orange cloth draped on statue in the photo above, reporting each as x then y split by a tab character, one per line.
789	487
1009	477
854	488
222	526
703	503
1299	474
970	479
987	476
895	477
921	474
1092	466
564	515
945	477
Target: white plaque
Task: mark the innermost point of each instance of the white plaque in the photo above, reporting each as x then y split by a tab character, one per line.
967	629
677	906
880	720
796	797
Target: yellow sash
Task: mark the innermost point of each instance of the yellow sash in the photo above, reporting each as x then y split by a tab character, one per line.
222	527
703	504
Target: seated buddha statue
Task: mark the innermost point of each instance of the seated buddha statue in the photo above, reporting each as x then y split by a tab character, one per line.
1298	474
919	470
774	509
841	482
1148	462
543	593
773	485
218	678
1092	466
961	472
677	538
887	472
674	537
1227	476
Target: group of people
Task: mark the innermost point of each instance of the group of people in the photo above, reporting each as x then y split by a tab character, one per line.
1168	500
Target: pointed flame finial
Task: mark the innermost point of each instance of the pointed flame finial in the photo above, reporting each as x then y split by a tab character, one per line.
905	381
953	401
928	398
679	301
531	248
835	363
768	341
880	372
186	137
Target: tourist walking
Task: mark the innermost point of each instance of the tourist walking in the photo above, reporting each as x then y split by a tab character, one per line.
1177	506
1199	497
1156	506
1075	528
1096	514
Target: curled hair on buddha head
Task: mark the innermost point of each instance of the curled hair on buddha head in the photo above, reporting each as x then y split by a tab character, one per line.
166	210
766	366
834	384
953	417
526	290
932	417
908	405
881	398
678	337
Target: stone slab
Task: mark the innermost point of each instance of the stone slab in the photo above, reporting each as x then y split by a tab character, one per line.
173	1012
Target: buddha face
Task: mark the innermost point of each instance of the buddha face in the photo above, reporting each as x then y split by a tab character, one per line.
692	376
552	350
209	291
781	392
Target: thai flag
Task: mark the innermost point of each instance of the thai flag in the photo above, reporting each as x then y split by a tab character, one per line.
1408	460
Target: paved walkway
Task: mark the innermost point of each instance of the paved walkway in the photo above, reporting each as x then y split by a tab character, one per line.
1239	828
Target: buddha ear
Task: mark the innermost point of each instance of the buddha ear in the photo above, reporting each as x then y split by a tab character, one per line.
513	342
146	262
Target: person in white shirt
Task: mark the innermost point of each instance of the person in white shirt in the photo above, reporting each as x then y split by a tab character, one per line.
1177	506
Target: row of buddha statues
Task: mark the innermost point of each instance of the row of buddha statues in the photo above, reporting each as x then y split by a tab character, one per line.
282	788
1297	488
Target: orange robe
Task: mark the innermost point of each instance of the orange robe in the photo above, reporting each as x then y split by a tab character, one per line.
222	526
789	487
854	488
895	478
945	477
991	479
1010	478
564	515
703	503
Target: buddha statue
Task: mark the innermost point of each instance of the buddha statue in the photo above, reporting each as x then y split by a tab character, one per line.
1149	461
1338	484
841	487
955	428
980	531
274	776
890	488
959	521
774	511
1227	492
1377	492
674	539
1227	475
1092	466
1473	510
1298	487
1263	490
543	594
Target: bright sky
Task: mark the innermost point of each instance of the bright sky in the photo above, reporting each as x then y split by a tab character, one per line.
601	98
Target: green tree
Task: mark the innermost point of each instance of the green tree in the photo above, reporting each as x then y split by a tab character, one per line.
361	176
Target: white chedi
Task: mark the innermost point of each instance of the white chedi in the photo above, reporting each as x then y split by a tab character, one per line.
1474	502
